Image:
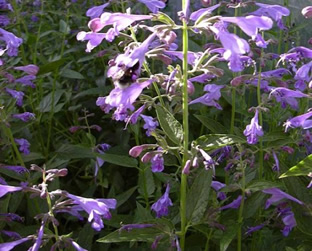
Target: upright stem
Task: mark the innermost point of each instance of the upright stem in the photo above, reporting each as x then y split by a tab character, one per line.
185	132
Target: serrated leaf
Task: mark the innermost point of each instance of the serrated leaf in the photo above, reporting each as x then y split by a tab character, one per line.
119	160
211	124
213	141
172	128
46	105
304	167
68	73
198	196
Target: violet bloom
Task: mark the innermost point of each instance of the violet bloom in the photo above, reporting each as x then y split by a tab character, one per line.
18	95
30	69
157	163
96	11
10	245
192	57
304	72
216	185
234	204
276	166
153	5
11	234
202	78
4	189
133	118
12	42
299	121
277	196
211	97
203	12
276	12
150	124
253	130
289	221
287	96
4	20
208	162
37	244
77	247
307	12
23	145
27	80
254	229
11	217
16	169
96	208
102	148
26	116
277	73
129	227
161	205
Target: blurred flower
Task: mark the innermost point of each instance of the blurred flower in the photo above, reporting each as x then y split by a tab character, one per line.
187	167
216	185
307	12
277	196
4	20
37	244
17	169
12	42
137	150
11	234
287	96
209	163
77	247
289	221
299	121
253	130
304	72
153	5
26	116
277	73
23	145
276	166
150	124
203	12
4	189
102	148
96	11
11	217
27	80
161	206
133	118
234	204
18	95
10	245
211	97
30	69
157	163
254	229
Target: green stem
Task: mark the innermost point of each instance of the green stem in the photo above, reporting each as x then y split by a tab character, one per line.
208	240
241	209
233	110
183	188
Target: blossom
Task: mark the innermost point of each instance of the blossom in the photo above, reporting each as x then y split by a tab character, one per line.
161	205
307	12
253	229
303	73
299	121
17	169
102	148
12	42
289	221
253	130
203	12
277	196
133	118
4	189
26	116
150	124
94	39
37	244
11	217
209	163
157	163
23	145
216	185
276	166
234	204
275	73
10	245
18	95
96	11
287	96
77	247
96	208
30	69
27	80
211	97
11	234
192	57
153	5
202	78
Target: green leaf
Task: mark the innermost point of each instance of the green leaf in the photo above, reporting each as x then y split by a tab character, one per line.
260	185
68	73
146	181
64	27
198	196
172	128
122	198
304	167
273	136
164	18
213	141
211	124
119	160
85	237
52	66
74	152
46	105
142	214
228	236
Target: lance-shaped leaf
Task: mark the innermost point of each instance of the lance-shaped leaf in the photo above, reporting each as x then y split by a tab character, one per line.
303	168
213	141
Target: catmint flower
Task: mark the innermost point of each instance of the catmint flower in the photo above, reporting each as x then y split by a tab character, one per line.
192	57
12	42
11	217
76	246
30	69
303	73
4	20
153	5
287	96
37	244
289	221
2	181
12	234
26	116
23	145
307	12
129	227
10	245
299	121
211	97
277	196
16	169
94	39
254	229
156	241
276	12
102	148
209	163
150	124
18	95
161	205
301	52
133	118
276	166
137	150
203	12
4	189
216	185
27	80
277	73
253	130
157	163
96	11
234	204
300	85
203	78
187	167
96	208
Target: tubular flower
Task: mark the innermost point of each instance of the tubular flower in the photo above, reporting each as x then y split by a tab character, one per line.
96	11
153	5
253	130
286	96
4	189
299	121
12	42
25	117
234	204
23	145
203	12
10	245
307	12
211	97
150	124
161	206
157	163
277	196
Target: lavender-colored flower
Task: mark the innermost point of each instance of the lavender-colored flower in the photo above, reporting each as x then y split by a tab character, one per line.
289	221
277	73
23	145
211	97
221	153
287	96
2	181
4	20
277	196
12	42
192	57
77	247
276	166
203	78
153	5
133	118
216	185
17	169
4	189
18	95
304	72
253	130
96	208
307	12
161	205
209	163
96	11
26	116
254	229
10	245
300	85
37	244
150	124
129	227
234	204
102	148
157	163
301	52
27	80
203	12
276	12
94	39
299	121
12	234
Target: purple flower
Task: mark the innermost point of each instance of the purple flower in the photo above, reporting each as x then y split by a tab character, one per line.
192	57
234	204
96	11
287	96
307	12
209	163
216	185
11	217
277	73
276	12
301	52
17	169
30	69
77	247
203	78
12	42
102	148
304	72
26	116
276	166
4	20
27	80
18	95
10	245
129	227
133	118
289	221
157	163
254	229
2	181
4	189
23	145
203	12
211	97
11	234
299	121
153	5
253	130
277	196
96	208
94	39
161	206
150	124
37	244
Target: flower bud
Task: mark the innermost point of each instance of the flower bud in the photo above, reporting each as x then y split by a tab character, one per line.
186	169
205	3
137	150
307	12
